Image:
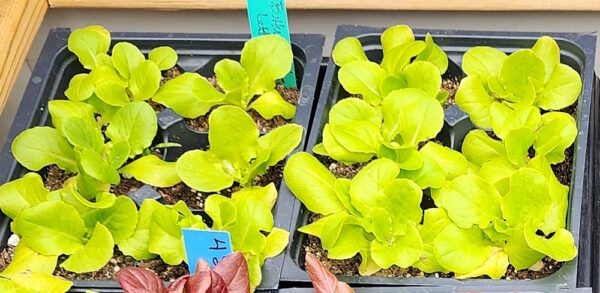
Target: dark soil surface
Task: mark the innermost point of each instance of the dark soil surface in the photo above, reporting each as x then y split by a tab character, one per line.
564	170
165	271
54	177
107	272
549	268
450	84
111	269
125	186
341	170
6	256
171	73
291	95
195	199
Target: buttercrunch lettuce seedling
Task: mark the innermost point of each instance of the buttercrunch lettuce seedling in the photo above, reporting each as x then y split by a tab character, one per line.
77	145
64	222
504	92
357	131
375	214
237	153
248	84
33	281
115	80
485	219
407	63
246	215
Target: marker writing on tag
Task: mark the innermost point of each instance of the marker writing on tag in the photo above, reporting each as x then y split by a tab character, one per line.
210	245
215	260
270	17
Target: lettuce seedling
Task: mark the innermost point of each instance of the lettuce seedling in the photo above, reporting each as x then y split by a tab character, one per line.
246	215
237	153
323	280
375	214
407	63
248	84
505	207
116	80
357	131
495	206
504	92
34	282
77	145
30	271
229	275
64	222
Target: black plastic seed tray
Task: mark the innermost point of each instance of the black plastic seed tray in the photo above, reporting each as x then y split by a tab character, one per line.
465	289
594	165
577	51
197	53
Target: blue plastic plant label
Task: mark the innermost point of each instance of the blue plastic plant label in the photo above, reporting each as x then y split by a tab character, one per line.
268	17
210	245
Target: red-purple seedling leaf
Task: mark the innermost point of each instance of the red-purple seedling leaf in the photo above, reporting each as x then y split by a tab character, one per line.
206	282
198	283
217	283
138	280
202	266
179	285
323	280
343	288
234	271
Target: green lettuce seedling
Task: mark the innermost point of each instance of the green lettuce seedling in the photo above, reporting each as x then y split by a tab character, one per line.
64	222
237	153
246	215
77	145
501	206
407	63
504	92
495	205
357	131
30	271
248	84
375	214
115	80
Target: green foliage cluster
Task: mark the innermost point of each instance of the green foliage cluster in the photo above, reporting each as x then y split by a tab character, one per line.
246	215
63	222
399	102
237	153
504	92
78	145
118	79
85	221
497	202
105	130
407	63
248	84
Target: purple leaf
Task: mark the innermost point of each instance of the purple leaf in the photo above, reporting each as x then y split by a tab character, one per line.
138	280
323	280
234	271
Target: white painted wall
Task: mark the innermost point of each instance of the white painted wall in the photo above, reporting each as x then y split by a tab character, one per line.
323	22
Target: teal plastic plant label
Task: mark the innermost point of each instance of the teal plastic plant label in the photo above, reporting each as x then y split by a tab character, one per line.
209	245
269	17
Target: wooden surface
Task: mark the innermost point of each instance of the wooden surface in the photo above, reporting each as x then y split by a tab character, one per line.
19	22
453	5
